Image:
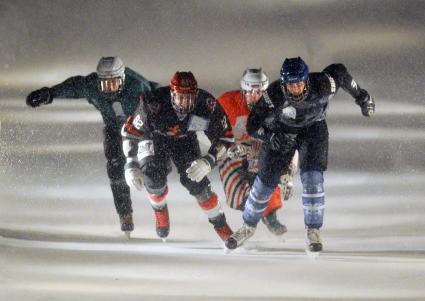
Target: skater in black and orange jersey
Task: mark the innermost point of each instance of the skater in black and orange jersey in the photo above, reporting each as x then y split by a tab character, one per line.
163	129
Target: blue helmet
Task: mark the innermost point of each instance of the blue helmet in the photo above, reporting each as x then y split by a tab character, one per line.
294	70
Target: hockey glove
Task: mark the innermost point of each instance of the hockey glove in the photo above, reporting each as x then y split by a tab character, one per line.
366	103
39	97
282	142
200	168
133	175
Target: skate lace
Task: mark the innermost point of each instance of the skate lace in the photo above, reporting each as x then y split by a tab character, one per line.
243	233
162	218
313	235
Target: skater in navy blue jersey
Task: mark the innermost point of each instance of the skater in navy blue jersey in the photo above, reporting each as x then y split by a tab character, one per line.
290	116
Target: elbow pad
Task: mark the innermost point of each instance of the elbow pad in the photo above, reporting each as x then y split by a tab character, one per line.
145	151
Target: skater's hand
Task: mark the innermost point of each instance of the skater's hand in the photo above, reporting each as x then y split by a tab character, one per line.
134	177
366	103
39	97
200	168
282	142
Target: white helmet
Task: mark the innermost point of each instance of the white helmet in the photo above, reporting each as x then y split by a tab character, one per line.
254	79
110	71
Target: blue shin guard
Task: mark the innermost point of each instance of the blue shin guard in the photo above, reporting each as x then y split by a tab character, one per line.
257	202
313	198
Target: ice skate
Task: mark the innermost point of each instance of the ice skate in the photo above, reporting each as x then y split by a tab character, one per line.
162	222
273	224
240	236
221	227
313	241
127	225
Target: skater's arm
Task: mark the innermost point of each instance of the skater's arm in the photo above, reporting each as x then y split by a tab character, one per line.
76	87
136	135
258	119
339	76
219	133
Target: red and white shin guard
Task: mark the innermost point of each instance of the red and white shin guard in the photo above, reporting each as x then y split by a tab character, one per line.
159	205
216	217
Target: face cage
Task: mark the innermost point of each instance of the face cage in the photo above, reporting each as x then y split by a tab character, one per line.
183	103
111	85
252	92
296	99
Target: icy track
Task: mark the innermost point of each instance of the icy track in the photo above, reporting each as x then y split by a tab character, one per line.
60	237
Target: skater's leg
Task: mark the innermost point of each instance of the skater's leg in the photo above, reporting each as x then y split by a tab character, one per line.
272	166
313	162
183	154
155	176
115	169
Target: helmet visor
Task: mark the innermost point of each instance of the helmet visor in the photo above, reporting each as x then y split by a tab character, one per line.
183	102
252	96
111	85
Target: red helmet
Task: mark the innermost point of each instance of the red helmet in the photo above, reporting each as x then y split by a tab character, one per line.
184	89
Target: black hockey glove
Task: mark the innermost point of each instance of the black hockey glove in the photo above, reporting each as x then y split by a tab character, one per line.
282	142
366	103
39	97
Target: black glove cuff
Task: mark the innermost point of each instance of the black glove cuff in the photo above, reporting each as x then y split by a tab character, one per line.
132	164
210	159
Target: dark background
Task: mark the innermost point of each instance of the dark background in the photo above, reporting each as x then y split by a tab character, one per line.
381	42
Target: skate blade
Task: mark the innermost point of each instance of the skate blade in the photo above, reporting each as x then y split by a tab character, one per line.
312	255
127	234
164	240
227	251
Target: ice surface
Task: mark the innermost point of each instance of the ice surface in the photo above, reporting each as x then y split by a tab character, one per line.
60	236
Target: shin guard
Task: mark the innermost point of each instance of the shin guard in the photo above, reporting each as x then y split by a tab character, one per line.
313	198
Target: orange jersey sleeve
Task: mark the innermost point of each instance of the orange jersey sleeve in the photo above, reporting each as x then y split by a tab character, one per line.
237	112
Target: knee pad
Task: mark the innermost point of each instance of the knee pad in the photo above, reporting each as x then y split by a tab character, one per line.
155	176
193	187
313	198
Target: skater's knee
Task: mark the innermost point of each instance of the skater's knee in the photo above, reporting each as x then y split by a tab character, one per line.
195	188
312	181
270	180
155	185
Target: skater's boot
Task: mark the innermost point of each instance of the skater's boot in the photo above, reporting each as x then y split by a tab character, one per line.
240	236
313	240
273	224
127	225
221	227
162	222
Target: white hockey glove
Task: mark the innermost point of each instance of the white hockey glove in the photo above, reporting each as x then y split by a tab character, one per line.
133	176
200	168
